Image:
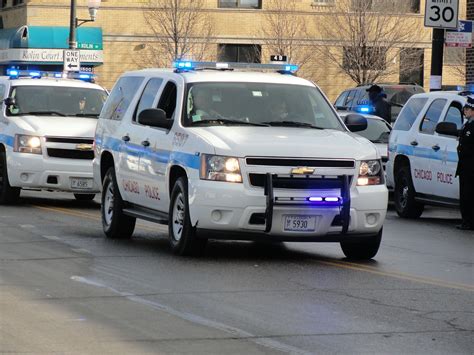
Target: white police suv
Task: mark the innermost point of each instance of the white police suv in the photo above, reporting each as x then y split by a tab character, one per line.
226	150
47	126
422	153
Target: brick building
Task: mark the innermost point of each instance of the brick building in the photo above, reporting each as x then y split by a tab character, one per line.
238	34
470	51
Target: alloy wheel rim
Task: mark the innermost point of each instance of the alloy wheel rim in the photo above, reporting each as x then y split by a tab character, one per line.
109	200
404	196
178	217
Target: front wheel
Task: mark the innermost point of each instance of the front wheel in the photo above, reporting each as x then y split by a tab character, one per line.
182	235
8	194
84	197
364	249
404	195
115	223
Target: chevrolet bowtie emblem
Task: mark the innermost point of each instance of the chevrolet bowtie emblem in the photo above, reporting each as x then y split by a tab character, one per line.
302	171
84	147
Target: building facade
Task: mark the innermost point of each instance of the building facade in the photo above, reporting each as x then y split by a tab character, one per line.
241	30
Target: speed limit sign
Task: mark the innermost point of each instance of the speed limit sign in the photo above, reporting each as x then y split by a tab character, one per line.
442	14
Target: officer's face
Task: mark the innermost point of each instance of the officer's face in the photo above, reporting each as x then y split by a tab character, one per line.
468	112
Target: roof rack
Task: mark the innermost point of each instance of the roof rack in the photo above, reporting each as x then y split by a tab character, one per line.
186	66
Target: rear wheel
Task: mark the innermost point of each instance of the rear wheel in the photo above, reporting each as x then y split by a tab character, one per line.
84	197
182	235
115	223
404	195
8	194
362	250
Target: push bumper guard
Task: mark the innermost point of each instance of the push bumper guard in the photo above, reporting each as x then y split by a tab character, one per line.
311	183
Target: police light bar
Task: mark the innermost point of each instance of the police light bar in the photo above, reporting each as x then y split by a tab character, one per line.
35	74
183	66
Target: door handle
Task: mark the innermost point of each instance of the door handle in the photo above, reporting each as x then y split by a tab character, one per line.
414	143
435	147
126	138
146	143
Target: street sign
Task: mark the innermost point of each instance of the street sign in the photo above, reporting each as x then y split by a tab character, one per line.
462	37
442	14
72	60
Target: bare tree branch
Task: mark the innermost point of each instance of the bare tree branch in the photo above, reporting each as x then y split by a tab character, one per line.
284	32
181	28
366	37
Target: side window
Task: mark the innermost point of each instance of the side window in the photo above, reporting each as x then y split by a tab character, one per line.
340	100
148	96
121	97
409	113
432	116
350	101
454	114
168	99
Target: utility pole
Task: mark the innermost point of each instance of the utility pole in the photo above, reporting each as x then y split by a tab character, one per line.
72	26
437	59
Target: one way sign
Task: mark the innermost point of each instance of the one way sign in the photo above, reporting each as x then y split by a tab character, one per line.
72	61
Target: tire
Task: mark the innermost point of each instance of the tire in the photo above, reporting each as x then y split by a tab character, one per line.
404	195
362	250
115	223
84	197
182	235
8	195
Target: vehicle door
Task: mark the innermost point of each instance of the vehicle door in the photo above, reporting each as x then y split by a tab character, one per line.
445	159
157	152
115	135
425	148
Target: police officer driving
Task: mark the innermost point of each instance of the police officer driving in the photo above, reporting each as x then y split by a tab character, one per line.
465	168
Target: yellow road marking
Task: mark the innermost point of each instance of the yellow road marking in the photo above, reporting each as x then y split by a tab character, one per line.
339	264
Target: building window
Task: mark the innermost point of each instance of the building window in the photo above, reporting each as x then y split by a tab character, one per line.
17	2
4	3
245	4
412	66
243	53
454	56
365	58
322	2
376	5
415	6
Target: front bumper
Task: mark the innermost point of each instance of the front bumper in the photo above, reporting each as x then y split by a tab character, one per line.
30	171
232	208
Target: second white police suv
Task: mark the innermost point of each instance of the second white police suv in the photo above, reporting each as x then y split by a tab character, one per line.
423	153
218	152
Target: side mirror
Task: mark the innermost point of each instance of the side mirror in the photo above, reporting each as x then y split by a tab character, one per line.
355	122
154	117
10	101
447	129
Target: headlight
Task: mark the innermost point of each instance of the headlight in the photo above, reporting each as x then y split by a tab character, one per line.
220	168
370	173
27	144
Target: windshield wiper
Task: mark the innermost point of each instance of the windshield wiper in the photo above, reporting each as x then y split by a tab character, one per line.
46	113
86	115
291	124
224	121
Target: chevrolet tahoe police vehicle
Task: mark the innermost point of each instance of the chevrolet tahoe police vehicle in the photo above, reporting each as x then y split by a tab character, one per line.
423	153
47	126
228	150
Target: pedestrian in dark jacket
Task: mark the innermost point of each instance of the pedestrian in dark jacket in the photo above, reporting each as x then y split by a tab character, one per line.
378	100
465	169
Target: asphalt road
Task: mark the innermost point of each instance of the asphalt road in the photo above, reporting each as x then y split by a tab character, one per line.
64	288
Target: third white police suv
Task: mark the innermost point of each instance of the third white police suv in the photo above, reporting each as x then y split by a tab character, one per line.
422	153
47	126
216	150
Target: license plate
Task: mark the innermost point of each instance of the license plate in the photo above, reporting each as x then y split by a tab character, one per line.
81	183
295	223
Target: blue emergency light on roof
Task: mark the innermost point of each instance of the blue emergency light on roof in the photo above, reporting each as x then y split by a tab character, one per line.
186	65
364	109
35	74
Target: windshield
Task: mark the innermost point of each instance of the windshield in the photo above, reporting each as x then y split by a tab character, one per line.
56	101
377	131
396	95
258	104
